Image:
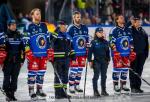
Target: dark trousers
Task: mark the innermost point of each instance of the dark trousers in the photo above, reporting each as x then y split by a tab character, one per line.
137	66
100	68
11	71
61	67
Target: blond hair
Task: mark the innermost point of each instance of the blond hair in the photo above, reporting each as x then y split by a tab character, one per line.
33	10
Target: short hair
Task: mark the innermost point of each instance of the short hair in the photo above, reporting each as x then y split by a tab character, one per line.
76	12
33	10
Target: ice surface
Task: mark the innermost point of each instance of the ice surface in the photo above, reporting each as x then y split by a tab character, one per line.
22	92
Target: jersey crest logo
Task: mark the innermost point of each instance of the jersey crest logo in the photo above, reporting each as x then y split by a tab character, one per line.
41	41
81	42
125	43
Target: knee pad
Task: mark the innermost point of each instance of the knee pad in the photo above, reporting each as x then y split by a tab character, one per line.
79	73
123	76
115	76
73	72
40	77
72	75
79	70
31	77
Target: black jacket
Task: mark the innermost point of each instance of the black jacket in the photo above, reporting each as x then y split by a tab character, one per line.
100	49
63	46
14	47
140	41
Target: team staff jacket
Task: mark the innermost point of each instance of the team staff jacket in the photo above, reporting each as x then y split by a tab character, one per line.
37	39
140	41
122	39
14	46
100	50
63	46
80	38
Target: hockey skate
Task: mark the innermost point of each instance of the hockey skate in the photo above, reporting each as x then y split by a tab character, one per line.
32	95
125	90
78	89
116	90
40	94
71	90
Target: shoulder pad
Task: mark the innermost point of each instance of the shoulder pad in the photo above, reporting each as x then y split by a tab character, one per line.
113	30
70	27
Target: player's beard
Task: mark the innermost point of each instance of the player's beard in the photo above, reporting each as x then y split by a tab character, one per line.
77	22
37	19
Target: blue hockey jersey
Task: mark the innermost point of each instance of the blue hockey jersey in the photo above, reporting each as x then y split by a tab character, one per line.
2	38
37	38
80	38
122	39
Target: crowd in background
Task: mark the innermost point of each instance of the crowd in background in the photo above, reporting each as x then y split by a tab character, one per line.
104	15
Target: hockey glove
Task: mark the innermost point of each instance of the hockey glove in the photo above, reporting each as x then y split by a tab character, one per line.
126	62
50	54
3	55
28	53
132	56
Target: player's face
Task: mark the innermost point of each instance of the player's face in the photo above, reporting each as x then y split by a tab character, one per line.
37	16
77	18
100	34
137	23
63	28
12	27
121	20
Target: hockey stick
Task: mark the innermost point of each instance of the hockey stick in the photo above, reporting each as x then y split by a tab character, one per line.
139	76
61	83
85	78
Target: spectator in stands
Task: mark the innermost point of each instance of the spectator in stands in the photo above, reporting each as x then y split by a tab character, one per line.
143	19
109	8
90	5
109	20
86	20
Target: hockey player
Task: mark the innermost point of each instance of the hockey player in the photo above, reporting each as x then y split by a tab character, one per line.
63	50
14	60
37	53
122	53
79	34
100	50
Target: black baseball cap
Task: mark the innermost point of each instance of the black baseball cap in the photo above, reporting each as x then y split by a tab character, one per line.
12	21
136	18
99	29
